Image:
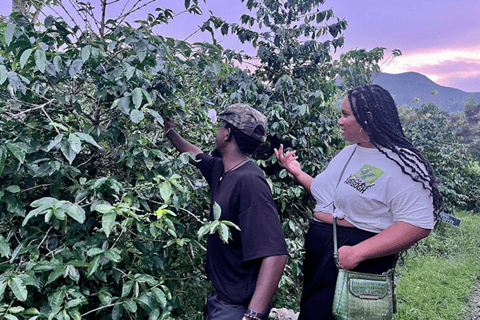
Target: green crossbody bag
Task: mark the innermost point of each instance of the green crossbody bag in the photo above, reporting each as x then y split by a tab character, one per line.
360	295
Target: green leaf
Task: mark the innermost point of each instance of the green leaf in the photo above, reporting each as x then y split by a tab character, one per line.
32	311
16	309
217	211
3	286
9	33
113	255
147	96
3	74
87	138
17	151
159	295
130	305
4	248
40	60
185	157
136	116
75	67
72	273
53	143
137	97
27	279
117	311
57	273
13	189
127	288
165	190
14	205
154	314
19	289
124	105
55	300
35	212
108	221
104	208
130	72
86	52
93	265
10	317
3	158
146	278
230	224
45	201
203	231
74	303
75	143
94	251
57	62
145	302
157	116
75	211
67	150
59	214
74	313
224	233
24	57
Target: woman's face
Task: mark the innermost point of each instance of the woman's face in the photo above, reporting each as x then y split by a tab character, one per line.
351	130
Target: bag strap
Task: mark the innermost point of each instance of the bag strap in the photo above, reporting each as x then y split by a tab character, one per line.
335	243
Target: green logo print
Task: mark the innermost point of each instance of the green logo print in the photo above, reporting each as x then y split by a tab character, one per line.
364	178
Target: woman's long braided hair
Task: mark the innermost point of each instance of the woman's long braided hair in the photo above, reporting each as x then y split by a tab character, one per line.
376	112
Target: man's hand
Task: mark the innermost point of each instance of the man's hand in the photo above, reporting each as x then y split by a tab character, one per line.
168	125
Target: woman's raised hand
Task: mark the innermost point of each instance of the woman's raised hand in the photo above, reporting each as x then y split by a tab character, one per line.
288	160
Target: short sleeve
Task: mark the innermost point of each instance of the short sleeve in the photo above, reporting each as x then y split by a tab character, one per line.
207	165
414	206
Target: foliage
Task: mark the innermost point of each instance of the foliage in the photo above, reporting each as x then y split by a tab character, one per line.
99	216
429	128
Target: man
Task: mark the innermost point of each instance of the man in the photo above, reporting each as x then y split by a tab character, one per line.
245	271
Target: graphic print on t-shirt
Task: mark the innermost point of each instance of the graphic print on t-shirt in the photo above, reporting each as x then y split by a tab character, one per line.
364	178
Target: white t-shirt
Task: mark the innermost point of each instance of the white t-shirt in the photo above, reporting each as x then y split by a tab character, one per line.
373	192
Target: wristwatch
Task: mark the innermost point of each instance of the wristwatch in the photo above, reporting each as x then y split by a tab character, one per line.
252	315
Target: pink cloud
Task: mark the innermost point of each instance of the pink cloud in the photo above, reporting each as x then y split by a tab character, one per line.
459	74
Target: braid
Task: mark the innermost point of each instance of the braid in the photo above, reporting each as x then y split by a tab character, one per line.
376	112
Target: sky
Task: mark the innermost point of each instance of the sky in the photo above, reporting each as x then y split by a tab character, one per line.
438	38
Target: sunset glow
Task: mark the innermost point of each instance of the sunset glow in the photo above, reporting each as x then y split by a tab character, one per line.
440	66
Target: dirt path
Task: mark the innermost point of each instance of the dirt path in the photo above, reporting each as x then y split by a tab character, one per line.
475	304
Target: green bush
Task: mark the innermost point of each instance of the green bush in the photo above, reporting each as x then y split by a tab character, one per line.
99	217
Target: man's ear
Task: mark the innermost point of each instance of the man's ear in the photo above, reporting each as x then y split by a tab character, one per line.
228	137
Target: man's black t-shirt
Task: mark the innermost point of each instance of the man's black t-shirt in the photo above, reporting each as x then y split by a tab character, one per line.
245	199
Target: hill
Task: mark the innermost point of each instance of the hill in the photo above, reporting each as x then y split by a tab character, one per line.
404	87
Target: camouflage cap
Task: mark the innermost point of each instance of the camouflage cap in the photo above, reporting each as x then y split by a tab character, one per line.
246	119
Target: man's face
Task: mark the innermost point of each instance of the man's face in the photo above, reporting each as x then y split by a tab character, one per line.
222	134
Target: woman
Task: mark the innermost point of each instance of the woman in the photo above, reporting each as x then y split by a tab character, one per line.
380	188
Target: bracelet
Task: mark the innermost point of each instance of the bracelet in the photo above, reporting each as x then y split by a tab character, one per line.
252	314
168	131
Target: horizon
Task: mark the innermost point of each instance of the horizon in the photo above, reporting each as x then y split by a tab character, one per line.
440	41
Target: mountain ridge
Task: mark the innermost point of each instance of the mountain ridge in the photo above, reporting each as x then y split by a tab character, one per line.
405	87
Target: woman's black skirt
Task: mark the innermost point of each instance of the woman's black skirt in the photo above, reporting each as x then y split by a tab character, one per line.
320	271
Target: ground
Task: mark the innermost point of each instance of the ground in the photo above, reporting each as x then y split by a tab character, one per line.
475	304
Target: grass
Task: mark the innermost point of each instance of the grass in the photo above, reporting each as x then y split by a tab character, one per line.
440	274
